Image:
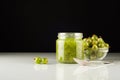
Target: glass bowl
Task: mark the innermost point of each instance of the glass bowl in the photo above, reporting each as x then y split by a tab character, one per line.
99	54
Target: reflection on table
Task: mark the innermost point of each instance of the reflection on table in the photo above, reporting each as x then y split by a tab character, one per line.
39	67
73	72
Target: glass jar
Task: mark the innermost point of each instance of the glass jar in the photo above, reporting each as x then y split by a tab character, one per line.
69	46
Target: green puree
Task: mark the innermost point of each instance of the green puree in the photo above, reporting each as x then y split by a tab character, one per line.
68	49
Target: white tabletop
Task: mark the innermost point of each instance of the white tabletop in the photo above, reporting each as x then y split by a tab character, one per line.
21	66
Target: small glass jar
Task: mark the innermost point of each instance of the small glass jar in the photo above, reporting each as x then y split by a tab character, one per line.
69	46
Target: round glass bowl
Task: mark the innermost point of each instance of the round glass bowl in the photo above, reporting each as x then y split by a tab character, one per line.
98	54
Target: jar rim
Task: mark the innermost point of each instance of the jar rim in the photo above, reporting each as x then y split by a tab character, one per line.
76	35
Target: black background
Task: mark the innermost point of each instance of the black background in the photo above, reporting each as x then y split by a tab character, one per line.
32	25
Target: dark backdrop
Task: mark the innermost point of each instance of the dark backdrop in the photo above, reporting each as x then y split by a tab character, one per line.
32	25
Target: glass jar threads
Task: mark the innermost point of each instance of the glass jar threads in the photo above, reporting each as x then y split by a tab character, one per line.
69	46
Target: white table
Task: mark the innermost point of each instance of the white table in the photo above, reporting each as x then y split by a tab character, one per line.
21	66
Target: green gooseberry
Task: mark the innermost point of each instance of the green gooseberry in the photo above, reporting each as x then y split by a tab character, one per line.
89	40
101	45
94	42
44	60
94	37
100	40
86	44
37	60
85	39
106	45
94	47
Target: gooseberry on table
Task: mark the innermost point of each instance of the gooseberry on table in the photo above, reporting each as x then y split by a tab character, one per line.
39	60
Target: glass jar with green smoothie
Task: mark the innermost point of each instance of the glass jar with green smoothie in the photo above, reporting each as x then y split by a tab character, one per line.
69	46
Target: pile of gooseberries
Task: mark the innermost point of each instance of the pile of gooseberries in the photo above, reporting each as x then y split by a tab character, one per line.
94	47
39	60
